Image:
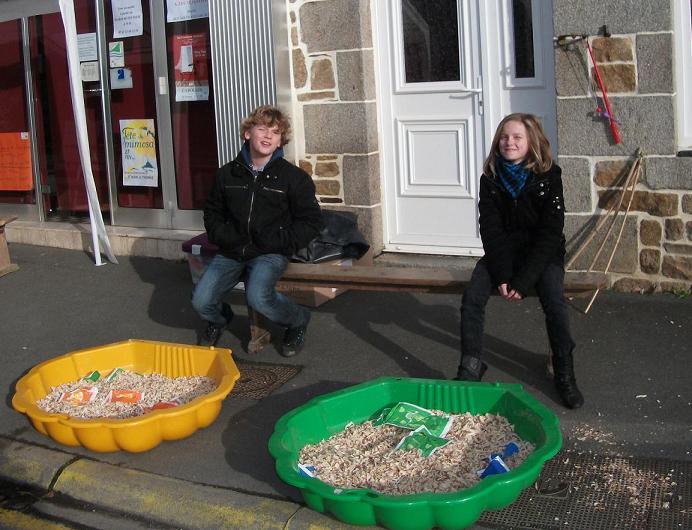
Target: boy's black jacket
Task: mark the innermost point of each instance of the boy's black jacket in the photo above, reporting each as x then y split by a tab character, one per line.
521	236
274	212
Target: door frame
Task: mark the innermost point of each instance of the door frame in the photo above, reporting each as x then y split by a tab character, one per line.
386	75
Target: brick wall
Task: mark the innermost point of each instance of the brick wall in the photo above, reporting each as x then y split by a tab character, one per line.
635	62
334	86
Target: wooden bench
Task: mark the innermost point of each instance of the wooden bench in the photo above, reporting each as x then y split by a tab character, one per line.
388	278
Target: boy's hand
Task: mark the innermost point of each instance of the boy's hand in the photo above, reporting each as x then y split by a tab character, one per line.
507	293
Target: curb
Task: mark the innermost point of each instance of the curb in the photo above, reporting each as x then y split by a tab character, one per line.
152	497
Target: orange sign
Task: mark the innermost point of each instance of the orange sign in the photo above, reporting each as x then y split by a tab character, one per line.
15	162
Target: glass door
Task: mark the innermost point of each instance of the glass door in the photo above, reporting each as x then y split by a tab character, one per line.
146	80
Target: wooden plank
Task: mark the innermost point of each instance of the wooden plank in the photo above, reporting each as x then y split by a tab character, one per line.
383	278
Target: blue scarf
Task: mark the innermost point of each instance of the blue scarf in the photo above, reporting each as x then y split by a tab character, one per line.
513	176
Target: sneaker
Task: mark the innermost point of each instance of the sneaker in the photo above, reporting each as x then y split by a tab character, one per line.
212	332
294	340
211	335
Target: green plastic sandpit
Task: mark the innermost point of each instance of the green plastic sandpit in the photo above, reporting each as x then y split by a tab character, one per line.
329	414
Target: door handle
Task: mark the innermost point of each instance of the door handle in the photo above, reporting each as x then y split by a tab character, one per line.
92	90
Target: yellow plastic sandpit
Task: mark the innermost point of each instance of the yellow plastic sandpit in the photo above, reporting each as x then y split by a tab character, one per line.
140	433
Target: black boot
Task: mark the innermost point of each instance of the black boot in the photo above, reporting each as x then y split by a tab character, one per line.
471	369
565	382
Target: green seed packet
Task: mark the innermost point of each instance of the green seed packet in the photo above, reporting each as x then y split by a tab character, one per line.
92	376
410	416
115	373
422	440
382	417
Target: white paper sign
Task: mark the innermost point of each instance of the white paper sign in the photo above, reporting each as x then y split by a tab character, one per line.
89	71
86	44
116	54
121	78
138	143
127	18
178	10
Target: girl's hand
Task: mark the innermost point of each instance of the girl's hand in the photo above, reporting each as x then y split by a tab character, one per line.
507	293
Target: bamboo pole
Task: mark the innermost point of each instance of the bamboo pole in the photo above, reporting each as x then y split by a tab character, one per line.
600	224
622	226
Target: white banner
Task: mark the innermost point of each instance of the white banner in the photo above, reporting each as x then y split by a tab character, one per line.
178	10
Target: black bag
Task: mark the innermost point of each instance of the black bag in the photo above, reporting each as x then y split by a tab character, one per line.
340	238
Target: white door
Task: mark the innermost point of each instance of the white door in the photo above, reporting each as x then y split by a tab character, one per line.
448	72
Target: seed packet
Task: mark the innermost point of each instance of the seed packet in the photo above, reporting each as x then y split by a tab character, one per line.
124	396
510	449
382	417
80	396
92	376
410	416
423	440
307	470
494	467
161	405
114	374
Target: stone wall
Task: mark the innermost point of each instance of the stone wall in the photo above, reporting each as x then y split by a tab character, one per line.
334	85
635	62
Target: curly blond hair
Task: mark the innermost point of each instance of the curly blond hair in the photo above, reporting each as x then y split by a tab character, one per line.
271	117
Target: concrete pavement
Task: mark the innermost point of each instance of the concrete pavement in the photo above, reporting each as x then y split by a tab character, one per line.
632	359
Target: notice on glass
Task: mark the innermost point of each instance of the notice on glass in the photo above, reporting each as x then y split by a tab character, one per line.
191	71
86	47
138	143
178	10
116	54
127	18
15	162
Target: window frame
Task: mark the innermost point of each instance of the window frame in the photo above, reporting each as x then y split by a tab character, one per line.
682	37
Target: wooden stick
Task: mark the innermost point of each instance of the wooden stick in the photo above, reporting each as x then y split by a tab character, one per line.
622	227
600	224
615	217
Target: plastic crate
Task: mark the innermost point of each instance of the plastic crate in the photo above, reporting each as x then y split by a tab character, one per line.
327	415
139	433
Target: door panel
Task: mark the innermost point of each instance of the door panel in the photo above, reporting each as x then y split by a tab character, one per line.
432	125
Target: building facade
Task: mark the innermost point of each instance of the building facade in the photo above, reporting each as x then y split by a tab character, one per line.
393	105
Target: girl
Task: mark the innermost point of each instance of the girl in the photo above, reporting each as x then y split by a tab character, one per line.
522	216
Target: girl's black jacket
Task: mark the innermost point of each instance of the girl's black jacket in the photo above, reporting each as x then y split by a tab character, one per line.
521	236
273	212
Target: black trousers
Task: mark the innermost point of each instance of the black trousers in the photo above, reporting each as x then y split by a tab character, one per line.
549	289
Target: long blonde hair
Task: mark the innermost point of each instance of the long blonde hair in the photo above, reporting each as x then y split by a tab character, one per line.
538	159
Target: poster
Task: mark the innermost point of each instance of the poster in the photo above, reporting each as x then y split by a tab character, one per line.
15	162
87	47
190	65
178	10
127	18
138	143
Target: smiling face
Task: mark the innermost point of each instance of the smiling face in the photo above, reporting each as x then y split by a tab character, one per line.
514	142
263	141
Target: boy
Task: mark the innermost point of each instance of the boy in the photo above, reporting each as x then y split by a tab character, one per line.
261	210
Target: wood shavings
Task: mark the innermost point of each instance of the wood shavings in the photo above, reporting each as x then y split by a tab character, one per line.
362	456
154	388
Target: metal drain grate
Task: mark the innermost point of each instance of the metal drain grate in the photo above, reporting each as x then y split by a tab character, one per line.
598	492
258	380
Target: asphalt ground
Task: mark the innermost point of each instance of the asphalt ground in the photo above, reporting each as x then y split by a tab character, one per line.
632	361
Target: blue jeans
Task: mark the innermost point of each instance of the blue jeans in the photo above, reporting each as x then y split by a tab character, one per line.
549	289
260	275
